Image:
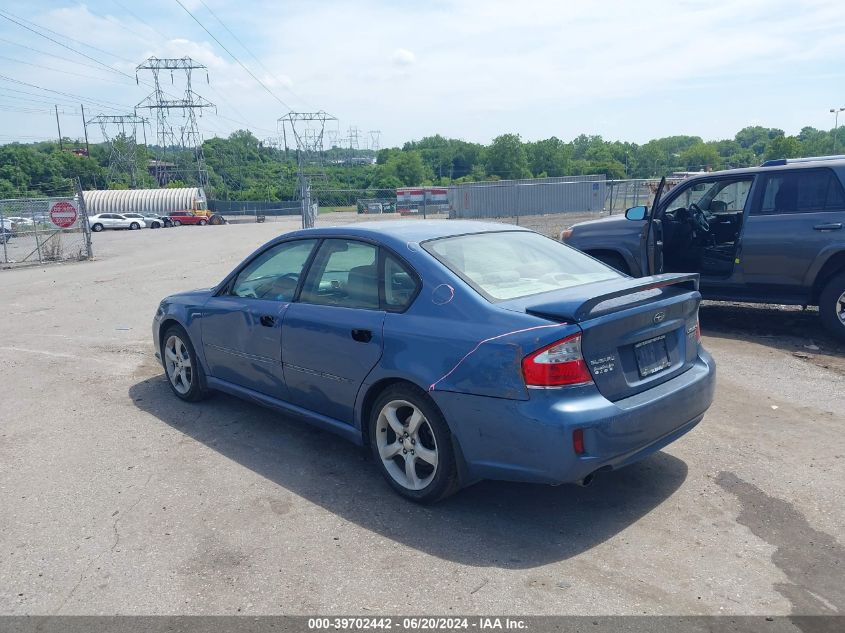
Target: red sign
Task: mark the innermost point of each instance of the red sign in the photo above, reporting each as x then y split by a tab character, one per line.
63	214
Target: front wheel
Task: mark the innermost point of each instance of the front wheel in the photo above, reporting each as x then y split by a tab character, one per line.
203	222
832	306
412	445
134	226
177	223
184	373
155	225
97	227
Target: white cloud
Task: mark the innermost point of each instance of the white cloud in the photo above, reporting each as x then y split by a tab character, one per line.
477	68
403	57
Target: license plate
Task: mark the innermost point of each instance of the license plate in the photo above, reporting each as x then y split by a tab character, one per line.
652	356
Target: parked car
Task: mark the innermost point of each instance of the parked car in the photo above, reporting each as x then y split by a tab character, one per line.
151	221
104	221
164	219
456	351
21	222
7	231
187	217
768	234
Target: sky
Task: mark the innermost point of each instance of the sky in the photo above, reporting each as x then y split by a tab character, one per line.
470	69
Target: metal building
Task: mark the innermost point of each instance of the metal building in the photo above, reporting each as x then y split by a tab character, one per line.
158	201
534	196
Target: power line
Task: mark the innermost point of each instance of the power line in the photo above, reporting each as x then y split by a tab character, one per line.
64	72
67	37
55	41
103	104
140	19
233	56
40	52
244	46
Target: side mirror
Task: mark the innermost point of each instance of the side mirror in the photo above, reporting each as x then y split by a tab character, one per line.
636	213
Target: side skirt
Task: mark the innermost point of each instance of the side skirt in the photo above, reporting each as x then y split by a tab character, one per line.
343	429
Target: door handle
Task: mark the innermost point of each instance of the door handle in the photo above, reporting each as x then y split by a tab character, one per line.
833	226
268	320
362	336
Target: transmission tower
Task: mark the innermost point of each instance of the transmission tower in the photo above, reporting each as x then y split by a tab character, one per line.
354	143
333	135
175	138
120	133
306	130
374	140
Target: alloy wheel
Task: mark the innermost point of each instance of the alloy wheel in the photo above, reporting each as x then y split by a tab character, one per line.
406	445
178	364
840	308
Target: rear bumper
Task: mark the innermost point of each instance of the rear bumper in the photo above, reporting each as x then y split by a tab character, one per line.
531	440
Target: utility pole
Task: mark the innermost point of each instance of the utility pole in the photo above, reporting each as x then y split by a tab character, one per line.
59	128
835	112
85	127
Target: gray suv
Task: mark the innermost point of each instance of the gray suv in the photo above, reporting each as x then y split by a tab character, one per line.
768	234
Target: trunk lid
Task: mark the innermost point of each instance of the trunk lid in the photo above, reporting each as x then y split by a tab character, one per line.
636	333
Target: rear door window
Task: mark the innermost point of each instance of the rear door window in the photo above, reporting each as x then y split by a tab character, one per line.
345	274
800	191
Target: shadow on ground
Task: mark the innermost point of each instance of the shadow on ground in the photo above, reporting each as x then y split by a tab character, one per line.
786	328
490	524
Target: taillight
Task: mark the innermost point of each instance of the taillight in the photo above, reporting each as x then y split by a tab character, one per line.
697	330
556	365
578	441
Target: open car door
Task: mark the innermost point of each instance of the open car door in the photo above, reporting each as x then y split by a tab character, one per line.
651	239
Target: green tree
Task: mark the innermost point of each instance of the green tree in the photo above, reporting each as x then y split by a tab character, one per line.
506	158
549	157
701	157
783	147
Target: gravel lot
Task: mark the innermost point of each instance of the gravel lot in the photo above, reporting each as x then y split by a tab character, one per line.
118	498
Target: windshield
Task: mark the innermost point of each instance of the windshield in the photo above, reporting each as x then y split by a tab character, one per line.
512	264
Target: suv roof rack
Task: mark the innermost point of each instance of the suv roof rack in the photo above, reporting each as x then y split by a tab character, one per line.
809	159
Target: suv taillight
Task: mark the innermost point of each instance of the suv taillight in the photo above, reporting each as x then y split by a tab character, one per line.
556	365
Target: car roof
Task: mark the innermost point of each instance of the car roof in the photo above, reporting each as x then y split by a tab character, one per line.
835	162
404	231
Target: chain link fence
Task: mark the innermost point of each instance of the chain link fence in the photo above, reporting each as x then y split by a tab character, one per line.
43	230
547	205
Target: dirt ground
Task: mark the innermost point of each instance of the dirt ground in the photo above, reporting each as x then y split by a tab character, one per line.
118	498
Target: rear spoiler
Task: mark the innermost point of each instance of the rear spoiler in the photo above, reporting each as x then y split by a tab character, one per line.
575	308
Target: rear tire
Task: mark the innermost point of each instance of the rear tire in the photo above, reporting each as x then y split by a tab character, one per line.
177	223
155	225
615	261
184	372
97	227
134	226
832	306
203	222
412	445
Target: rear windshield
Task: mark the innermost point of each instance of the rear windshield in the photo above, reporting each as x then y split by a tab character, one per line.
512	264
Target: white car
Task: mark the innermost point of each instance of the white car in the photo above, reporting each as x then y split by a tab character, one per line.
114	221
152	221
17	221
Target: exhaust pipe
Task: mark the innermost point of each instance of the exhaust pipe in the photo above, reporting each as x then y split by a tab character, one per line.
586	481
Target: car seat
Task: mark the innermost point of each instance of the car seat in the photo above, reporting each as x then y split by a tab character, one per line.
362	287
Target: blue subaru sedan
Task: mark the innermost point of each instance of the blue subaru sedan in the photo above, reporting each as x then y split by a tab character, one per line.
455	351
